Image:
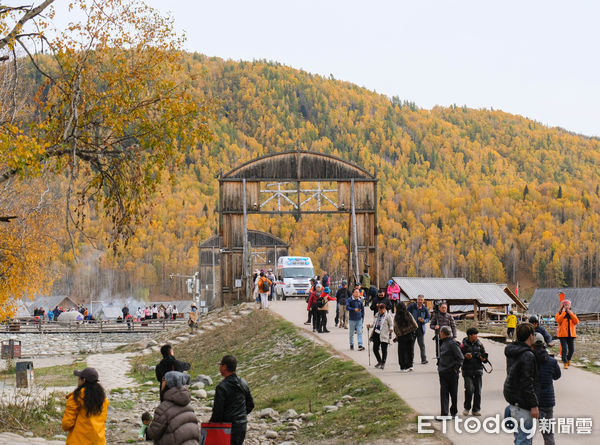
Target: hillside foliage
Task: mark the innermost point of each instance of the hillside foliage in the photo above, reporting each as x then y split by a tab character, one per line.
480	194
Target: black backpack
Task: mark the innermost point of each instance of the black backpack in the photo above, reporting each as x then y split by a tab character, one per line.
264	285
320	302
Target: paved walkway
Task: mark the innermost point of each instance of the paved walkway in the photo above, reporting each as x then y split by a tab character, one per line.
112	369
578	391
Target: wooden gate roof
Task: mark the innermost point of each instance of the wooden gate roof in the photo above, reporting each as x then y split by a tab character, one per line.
299	166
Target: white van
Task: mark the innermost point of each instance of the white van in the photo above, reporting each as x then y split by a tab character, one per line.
295	273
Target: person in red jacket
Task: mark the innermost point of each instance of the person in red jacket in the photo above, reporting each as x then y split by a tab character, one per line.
312	306
310	291
566	320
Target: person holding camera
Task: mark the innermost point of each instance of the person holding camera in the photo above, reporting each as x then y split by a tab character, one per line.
472	371
566	320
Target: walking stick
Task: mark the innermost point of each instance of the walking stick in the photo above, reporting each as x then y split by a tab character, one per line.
369	346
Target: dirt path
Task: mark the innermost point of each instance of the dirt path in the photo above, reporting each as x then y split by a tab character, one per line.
578	391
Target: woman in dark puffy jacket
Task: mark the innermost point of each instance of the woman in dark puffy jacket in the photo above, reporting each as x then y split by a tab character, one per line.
174	420
548	370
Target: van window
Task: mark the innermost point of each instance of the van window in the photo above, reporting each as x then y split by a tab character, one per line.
298	272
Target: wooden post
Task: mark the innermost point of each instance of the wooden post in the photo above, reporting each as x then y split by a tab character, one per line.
354	235
245	254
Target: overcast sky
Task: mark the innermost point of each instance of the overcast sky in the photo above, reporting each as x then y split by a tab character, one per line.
539	59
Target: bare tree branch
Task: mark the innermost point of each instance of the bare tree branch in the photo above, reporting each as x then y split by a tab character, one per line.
32	13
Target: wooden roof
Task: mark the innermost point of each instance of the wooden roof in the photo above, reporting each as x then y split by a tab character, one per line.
583	300
299	166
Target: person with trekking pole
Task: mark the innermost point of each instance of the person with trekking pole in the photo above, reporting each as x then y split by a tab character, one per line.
440	318
383	326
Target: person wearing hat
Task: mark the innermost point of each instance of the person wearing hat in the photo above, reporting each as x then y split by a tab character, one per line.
342	296
193	317
174	419
566	320
85	410
541	330
511	324
547	371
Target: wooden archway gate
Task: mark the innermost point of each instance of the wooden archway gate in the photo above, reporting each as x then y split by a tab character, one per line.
241	194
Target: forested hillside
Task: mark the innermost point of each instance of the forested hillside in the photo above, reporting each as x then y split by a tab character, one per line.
479	194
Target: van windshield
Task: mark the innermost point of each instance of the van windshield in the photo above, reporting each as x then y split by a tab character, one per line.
298	272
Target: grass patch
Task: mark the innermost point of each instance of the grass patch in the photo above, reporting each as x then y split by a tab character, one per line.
59	375
40	415
285	370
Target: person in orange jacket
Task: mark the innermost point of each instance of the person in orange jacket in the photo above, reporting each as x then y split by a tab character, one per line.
85	411
566	320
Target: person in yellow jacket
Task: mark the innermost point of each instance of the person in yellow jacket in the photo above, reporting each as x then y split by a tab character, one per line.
511	324
85	412
566	320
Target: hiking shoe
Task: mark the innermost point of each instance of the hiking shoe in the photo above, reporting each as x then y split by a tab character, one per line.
409	370
382	366
476	413
326	331
424	362
307	322
566	365
361	348
466	412
378	365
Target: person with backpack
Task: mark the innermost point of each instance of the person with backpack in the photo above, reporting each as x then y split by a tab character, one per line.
342	295
548	371
322	309
521	382
313	305
264	288
472	371
393	293
311	289
365	282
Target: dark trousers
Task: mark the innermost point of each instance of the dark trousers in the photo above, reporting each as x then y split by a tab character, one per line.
315	319
337	314
321	321
420	338
510	332
406	351
309	317
473	392
238	433
567	347
547	413
448	390
377	345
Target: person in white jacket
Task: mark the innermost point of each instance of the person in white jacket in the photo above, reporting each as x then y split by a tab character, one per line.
383	326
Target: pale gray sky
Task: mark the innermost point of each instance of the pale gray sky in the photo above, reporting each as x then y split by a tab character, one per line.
535	58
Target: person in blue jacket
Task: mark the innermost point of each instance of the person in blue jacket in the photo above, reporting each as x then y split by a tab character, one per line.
420	313
356	315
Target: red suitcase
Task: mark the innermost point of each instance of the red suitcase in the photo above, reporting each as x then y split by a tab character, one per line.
215	434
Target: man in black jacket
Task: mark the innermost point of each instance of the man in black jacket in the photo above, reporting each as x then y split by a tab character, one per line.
341	296
440	318
381	298
472	370
168	363
451	359
521	381
233	400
